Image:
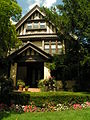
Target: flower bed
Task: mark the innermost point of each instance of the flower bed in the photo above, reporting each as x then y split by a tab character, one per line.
49	107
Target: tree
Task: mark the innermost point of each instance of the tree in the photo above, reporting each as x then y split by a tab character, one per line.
75	18
72	19
8	37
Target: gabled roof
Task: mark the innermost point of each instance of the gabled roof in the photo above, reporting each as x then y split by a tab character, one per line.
23	19
27	46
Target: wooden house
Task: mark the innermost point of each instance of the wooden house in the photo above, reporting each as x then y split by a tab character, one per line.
40	41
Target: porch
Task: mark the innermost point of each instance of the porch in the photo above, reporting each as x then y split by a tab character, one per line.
27	64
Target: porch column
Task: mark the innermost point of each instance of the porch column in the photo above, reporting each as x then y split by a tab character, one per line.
13	72
43	44
46	72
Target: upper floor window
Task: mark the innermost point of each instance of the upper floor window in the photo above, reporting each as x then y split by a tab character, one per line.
46	47
42	25
60	49
53	47
29	26
36	25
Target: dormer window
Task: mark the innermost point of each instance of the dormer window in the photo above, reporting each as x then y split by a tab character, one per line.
42	25
35	26
29	26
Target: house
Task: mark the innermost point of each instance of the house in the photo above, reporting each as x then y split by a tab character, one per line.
40	41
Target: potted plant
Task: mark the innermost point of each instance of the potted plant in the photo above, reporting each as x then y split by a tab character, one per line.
20	84
26	88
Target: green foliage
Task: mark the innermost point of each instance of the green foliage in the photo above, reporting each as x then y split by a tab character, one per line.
6	87
8	36
20	98
75	17
47	97
20	82
56	97
47	84
71	18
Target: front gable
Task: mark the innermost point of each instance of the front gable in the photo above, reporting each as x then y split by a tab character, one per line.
28	15
29	53
34	23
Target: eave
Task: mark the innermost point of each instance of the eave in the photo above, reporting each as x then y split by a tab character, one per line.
28	45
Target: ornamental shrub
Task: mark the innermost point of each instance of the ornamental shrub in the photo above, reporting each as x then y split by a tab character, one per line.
47	84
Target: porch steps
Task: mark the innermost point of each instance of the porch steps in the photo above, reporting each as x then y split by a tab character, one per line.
32	89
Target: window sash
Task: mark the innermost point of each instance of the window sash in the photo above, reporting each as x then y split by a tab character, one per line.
59	46
42	25
53	46
46	47
29	25
35	25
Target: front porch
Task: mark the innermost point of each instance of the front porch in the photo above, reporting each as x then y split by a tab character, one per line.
27	64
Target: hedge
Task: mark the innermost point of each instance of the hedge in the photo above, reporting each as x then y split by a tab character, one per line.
46	97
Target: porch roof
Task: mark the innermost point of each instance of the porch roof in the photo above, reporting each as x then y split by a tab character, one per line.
28	45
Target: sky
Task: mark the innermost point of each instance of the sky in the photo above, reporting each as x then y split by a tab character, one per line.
29	4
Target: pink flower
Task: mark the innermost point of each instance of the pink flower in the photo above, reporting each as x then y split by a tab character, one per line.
88	103
77	106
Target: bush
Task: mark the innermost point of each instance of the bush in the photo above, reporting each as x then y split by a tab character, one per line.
20	82
47	84
47	97
57	97
20	98
6	86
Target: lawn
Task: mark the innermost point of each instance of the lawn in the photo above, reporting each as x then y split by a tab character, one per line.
63	115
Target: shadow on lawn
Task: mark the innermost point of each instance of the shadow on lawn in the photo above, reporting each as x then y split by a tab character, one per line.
4	115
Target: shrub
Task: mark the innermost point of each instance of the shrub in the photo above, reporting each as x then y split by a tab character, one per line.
20	98
47	84
6	89
47	97
56	97
20	82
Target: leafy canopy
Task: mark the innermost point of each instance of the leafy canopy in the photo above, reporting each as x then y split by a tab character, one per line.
72	17
8	37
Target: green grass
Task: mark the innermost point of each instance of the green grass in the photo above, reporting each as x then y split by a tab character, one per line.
64	115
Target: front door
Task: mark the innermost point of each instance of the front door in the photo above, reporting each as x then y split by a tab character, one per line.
31	73
35	72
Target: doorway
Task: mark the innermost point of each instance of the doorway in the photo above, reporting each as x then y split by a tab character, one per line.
31	73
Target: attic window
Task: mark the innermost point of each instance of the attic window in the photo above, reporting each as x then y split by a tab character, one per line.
35	26
42	25
29	26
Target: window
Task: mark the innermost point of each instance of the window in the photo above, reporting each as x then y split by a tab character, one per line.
35	26
53	47
59	47
29	26
46	47
42	25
